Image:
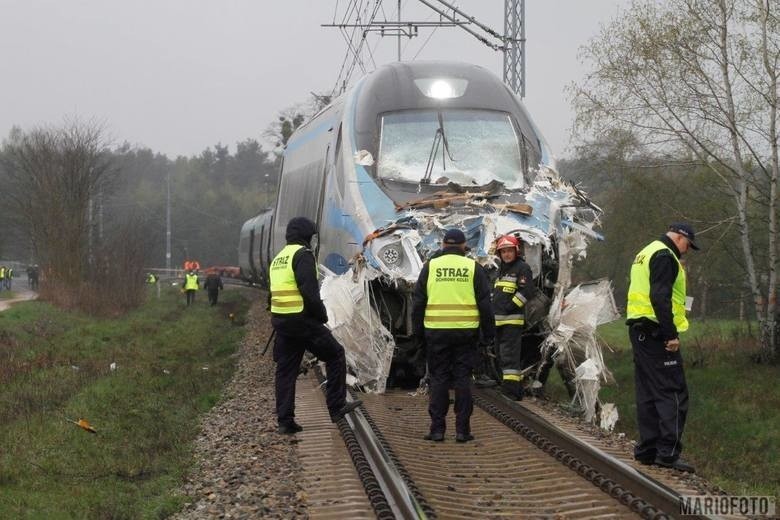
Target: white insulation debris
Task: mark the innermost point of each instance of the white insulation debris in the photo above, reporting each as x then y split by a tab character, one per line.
368	344
574	318
549	218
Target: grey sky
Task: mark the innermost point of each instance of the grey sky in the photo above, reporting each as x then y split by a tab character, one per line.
178	76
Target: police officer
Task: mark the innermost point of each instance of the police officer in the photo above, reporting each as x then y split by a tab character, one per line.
190	286
512	289
656	315
298	317
451	305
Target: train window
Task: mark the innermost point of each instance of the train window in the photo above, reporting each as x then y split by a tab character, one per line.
299	194
481	146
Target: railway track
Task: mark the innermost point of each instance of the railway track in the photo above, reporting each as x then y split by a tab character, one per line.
521	465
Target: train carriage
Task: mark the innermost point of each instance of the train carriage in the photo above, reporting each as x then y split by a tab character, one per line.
411	149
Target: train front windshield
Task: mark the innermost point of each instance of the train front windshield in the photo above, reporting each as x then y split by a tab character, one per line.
468	147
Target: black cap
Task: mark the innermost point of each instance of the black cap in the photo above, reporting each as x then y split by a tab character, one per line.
454	237
685	230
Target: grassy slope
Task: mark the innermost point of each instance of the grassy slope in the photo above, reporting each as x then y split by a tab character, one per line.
171	366
733	429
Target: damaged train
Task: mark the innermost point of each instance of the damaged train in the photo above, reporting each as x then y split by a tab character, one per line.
412	149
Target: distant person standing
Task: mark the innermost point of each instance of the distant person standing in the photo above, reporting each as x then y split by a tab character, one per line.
2	277
451	304
9	276
190	286
213	285
655	317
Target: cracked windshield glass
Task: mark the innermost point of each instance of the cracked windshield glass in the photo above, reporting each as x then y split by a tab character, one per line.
469	147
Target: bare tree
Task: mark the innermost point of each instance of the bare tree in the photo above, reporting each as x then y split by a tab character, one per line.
50	176
290	118
701	76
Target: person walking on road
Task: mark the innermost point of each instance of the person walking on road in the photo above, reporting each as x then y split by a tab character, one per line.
655	317
298	317
451	306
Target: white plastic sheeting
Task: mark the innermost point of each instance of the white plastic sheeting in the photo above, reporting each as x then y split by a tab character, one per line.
356	325
574	318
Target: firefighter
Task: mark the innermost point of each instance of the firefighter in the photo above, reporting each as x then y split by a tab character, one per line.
190	286
655	317
512	289
298	317
451	307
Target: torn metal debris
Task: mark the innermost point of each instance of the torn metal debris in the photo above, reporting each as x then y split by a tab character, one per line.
370	305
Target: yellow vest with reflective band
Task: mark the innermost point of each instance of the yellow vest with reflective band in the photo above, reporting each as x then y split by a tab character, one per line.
639	305
451	300
191	282
285	296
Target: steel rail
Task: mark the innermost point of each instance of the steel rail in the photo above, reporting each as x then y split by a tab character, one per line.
400	498
643	493
385	487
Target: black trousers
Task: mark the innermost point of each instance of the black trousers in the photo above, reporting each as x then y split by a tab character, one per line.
509	339
452	355
190	296
293	337
213	296
661	396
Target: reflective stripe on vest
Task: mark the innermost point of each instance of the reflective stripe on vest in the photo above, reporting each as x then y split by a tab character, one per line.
451	300
285	296
639	305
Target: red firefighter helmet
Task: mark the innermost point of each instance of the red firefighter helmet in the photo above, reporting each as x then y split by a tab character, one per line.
507	241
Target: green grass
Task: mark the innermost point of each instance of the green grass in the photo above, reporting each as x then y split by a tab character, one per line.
732	432
7	295
56	365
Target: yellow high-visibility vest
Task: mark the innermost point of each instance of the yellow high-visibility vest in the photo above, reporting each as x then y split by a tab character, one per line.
451	300
190	282
2	273
285	296
639	305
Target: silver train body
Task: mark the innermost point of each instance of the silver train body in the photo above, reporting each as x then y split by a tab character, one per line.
411	149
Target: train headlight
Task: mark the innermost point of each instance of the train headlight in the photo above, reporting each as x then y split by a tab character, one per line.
442	88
